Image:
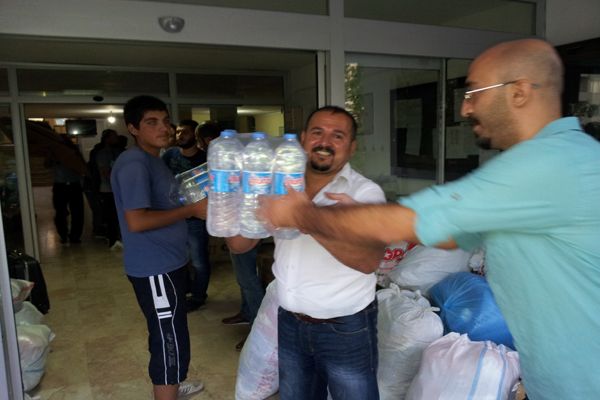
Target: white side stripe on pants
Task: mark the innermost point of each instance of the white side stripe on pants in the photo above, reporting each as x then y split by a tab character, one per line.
160	298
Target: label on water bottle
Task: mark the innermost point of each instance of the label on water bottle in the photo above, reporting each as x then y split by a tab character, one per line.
224	181
295	180
257	182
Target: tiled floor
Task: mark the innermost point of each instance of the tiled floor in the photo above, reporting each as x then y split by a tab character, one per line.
100	349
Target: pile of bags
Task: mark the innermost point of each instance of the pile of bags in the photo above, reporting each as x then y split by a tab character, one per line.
474	357
440	332
33	336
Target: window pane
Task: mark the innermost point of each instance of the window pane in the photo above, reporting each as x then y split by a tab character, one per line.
9	191
255	118
3	82
397	142
91	83
587	108
493	15
235	88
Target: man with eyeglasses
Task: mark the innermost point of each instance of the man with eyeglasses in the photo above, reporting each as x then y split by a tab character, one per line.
535	208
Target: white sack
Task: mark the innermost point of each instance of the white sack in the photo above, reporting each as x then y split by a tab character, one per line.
406	325
455	368
422	267
20	290
34	344
258	370
28	315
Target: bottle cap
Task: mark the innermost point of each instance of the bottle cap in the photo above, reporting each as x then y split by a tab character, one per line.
228	133
259	135
289	136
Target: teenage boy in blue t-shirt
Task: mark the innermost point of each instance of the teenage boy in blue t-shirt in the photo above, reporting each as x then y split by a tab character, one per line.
154	234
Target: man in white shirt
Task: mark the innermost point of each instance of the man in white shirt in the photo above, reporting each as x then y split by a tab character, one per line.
328	315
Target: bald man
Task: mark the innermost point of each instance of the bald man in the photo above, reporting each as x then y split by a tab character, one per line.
535	208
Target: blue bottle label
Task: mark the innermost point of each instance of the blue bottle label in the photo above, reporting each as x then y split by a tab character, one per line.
255	182
200	169
224	181
295	180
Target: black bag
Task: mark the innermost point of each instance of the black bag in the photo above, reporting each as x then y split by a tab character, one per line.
22	266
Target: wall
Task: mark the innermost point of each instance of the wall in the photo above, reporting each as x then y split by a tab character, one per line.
200	116
271	123
572	21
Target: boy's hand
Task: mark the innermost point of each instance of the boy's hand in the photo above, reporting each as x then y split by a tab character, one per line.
199	208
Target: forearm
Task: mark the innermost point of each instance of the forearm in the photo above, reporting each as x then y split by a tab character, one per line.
145	219
359	224
364	257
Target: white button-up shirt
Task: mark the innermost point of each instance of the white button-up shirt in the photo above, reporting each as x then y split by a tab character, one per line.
310	280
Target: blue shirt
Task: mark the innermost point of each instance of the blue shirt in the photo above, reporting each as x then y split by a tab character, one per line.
536	210
179	163
140	180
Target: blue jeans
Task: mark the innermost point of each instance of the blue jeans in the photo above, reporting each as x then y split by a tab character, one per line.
341	355
198	248
251	287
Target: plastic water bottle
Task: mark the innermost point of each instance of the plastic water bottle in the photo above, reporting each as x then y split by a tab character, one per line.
224	170
257	176
289	168
190	186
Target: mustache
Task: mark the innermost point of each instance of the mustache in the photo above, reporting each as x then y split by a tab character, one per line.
473	121
328	149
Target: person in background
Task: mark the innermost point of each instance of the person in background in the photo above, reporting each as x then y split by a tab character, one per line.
172	139
327	322
104	160
121	144
252	290
67	194
183	157
92	187
205	133
155	254
534	207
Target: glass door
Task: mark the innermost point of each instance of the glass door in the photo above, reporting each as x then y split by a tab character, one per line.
11	237
396	101
9	191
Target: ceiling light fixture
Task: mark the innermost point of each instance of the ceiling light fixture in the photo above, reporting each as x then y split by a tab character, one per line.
111	119
171	24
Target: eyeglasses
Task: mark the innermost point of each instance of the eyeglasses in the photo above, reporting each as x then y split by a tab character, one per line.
469	93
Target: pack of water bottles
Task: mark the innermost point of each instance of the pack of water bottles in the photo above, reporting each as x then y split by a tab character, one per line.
239	173
191	186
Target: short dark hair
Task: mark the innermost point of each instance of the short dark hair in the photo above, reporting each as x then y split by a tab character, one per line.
188	122
135	108
208	130
334	110
106	133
